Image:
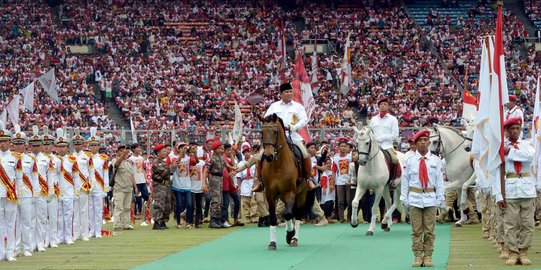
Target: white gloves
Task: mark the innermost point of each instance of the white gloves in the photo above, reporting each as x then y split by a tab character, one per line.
293	128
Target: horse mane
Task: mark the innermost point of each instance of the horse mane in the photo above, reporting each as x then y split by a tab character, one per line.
270	118
451	129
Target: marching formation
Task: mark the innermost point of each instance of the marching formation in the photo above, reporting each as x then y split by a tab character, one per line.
49	199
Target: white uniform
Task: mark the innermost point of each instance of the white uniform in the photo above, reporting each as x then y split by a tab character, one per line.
385	129
68	175
25	192
10	172
292	114
99	190
52	201
81	227
41	192
410	179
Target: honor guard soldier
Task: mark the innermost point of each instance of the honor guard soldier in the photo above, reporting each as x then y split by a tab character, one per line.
520	194
422	192
100	186
25	192
41	191
82	188
54	190
10	172
161	185
67	177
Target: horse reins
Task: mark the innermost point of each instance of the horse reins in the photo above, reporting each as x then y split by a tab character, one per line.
439	149
277	148
370	150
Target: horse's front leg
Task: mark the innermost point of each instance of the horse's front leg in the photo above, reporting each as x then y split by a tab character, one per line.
289	200
463	200
359	192
375	209
387	220
272	221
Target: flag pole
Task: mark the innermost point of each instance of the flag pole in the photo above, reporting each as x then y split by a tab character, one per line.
501	151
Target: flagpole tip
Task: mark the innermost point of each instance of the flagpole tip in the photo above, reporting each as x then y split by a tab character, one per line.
499	3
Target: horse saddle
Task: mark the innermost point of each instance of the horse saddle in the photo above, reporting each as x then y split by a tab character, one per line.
395	170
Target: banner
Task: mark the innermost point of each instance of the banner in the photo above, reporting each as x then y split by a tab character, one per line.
345	69
302	93
237	128
469	106
48	82
536	130
314	84
13	110
133	133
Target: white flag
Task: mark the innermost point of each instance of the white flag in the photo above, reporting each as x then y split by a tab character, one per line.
314	84
48	81
13	110
345	70
28	97
308	101
4	117
237	128
133	133
536	130
158	107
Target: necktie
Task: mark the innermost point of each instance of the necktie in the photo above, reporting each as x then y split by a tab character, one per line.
423	173
248	174
517	164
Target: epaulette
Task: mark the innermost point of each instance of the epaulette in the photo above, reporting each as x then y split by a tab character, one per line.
17	154
72	158
90	155
104	156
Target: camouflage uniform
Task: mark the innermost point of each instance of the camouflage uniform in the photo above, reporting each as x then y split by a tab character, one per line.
216	170
161	184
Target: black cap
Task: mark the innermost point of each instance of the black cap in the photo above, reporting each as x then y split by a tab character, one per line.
133	146
121	147
285	87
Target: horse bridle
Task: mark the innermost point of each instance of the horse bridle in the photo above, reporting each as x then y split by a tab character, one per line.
274	144
439	148
367	154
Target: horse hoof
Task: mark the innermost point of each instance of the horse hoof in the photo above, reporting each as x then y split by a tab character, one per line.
369	233
289	236
384	226
294	242
272	246
354	224
458	225
387	229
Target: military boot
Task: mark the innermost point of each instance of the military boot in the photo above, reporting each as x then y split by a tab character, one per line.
215	223
417	262
427	261
513	258
523	256
158	226
505	254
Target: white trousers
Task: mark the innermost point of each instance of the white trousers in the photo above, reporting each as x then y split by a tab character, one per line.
83	215
40	221
95	214
8	217
76	217
24	224
65	224
52	214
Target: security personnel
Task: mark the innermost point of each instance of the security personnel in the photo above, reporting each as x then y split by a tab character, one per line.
215	171
10	172
294	118
41	190
520	193
82	188
161	185
68	175
422	191
54	190
100	186
25	192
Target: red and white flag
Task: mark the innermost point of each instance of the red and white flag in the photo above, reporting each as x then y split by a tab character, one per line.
469	105
48	81
302	93
345	69
536	130
498	97
28	97
314	84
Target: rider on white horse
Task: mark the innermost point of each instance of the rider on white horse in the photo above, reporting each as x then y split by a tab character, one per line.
385	128
295	118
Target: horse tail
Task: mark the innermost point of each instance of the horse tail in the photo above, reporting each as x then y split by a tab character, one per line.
303	203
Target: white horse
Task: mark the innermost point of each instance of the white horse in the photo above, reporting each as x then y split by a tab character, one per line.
450	144
374	174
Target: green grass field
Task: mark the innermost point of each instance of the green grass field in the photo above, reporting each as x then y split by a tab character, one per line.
133	248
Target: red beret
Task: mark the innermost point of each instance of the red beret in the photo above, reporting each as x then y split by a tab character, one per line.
384	99
209	140
158	147
513	98
421	133
216	144
512	121
343	140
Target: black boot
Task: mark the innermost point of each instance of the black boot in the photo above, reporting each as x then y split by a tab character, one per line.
158	226
215	223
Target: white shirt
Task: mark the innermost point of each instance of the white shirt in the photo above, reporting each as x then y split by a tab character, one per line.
340	165
410	179
247	180
9	161
385	129
292	113
326	193
138	171
197	176
68	168
517	188
27	183
45	170
101	169
86	169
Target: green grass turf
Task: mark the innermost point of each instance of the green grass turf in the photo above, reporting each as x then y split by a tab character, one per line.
124	251
336	246
470	251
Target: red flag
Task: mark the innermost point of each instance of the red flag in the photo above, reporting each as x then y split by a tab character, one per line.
301	81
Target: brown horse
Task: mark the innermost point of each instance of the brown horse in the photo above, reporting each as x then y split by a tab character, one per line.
281	177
